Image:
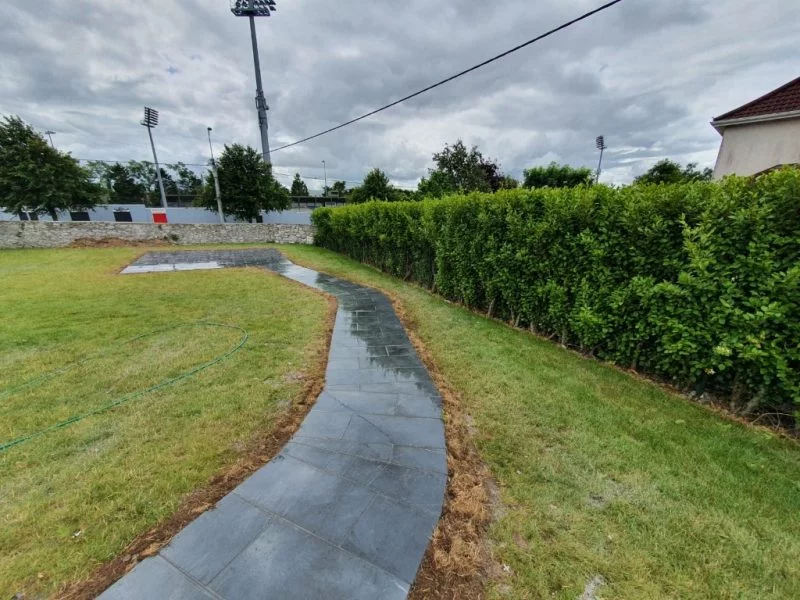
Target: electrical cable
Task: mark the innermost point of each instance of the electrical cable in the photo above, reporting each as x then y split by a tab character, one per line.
456	76
127	397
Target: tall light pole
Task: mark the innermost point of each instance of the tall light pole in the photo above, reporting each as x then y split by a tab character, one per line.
252	9
601	145
325	167
150	121
50	134
215	175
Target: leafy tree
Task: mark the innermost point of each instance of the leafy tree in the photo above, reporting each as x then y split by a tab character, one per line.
38	178
188	183
668	171
339	188
376	186
299	187
436	185
123	189
144	174
508	183
555	175
459	169
246	184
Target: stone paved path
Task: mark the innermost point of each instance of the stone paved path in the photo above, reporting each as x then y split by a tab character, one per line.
346	510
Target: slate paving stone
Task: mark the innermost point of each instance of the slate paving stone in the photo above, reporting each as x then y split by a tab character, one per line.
420	488
325	425
347	508
401	349
325	504
285	563
433	459
391	536
156	578
379	452
233	524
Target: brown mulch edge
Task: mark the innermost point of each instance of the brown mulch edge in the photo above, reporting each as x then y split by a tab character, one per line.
458	562
259	451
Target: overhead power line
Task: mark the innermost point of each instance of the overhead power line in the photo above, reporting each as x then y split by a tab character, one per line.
456	76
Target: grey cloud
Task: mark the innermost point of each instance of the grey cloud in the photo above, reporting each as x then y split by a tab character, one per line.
648	74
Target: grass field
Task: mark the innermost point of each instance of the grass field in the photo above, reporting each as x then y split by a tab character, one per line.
603	475
72	498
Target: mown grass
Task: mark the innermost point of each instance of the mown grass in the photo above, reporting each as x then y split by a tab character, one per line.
603	474
73	498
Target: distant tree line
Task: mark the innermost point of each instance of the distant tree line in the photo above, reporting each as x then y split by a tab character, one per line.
136	182
42	180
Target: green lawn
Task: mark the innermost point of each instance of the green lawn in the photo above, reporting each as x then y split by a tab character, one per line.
74	497
602	474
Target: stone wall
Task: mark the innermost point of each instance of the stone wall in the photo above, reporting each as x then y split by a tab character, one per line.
42	234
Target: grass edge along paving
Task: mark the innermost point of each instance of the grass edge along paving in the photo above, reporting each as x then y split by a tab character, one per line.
604	477
192	440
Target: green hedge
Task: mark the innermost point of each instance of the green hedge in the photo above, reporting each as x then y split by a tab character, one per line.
698	283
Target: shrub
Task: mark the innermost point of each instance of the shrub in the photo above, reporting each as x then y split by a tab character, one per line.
697	283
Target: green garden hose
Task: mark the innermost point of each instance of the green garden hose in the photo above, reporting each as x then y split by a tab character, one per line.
127	397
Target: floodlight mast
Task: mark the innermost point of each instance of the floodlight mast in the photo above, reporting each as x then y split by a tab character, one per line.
252	9
600	142
150	121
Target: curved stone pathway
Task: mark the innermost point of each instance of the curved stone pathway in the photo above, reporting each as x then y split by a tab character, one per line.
346	510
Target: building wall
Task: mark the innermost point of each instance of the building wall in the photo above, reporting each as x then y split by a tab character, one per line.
750	149
47	234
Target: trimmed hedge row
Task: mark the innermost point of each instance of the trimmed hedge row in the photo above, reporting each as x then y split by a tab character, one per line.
696	283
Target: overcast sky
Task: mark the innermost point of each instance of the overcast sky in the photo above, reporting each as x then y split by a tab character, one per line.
648	74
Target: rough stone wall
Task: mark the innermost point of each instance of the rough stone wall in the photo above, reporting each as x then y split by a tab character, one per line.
42	234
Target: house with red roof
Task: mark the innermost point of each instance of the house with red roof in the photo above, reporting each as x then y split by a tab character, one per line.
762	134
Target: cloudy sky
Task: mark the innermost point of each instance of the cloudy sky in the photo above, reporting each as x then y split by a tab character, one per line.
648	74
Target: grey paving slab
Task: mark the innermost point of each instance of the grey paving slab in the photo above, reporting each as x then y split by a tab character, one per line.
312	570
233	525
347	508
156	578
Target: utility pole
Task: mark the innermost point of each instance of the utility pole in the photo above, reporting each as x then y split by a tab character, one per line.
215	175
150	121
325	167
49	134
601	145
252	9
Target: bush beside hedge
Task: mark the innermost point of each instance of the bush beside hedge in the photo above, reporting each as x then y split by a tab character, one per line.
696	283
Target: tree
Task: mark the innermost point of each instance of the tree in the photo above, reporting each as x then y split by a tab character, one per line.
376	186
188	184
246	184
299	187
339	188
37	178
436	185
555	175
122	187
508	183
461	170
458	170
144	174
668	171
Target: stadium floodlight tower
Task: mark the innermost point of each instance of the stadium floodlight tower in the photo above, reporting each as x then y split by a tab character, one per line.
252	9
151	120
600	142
